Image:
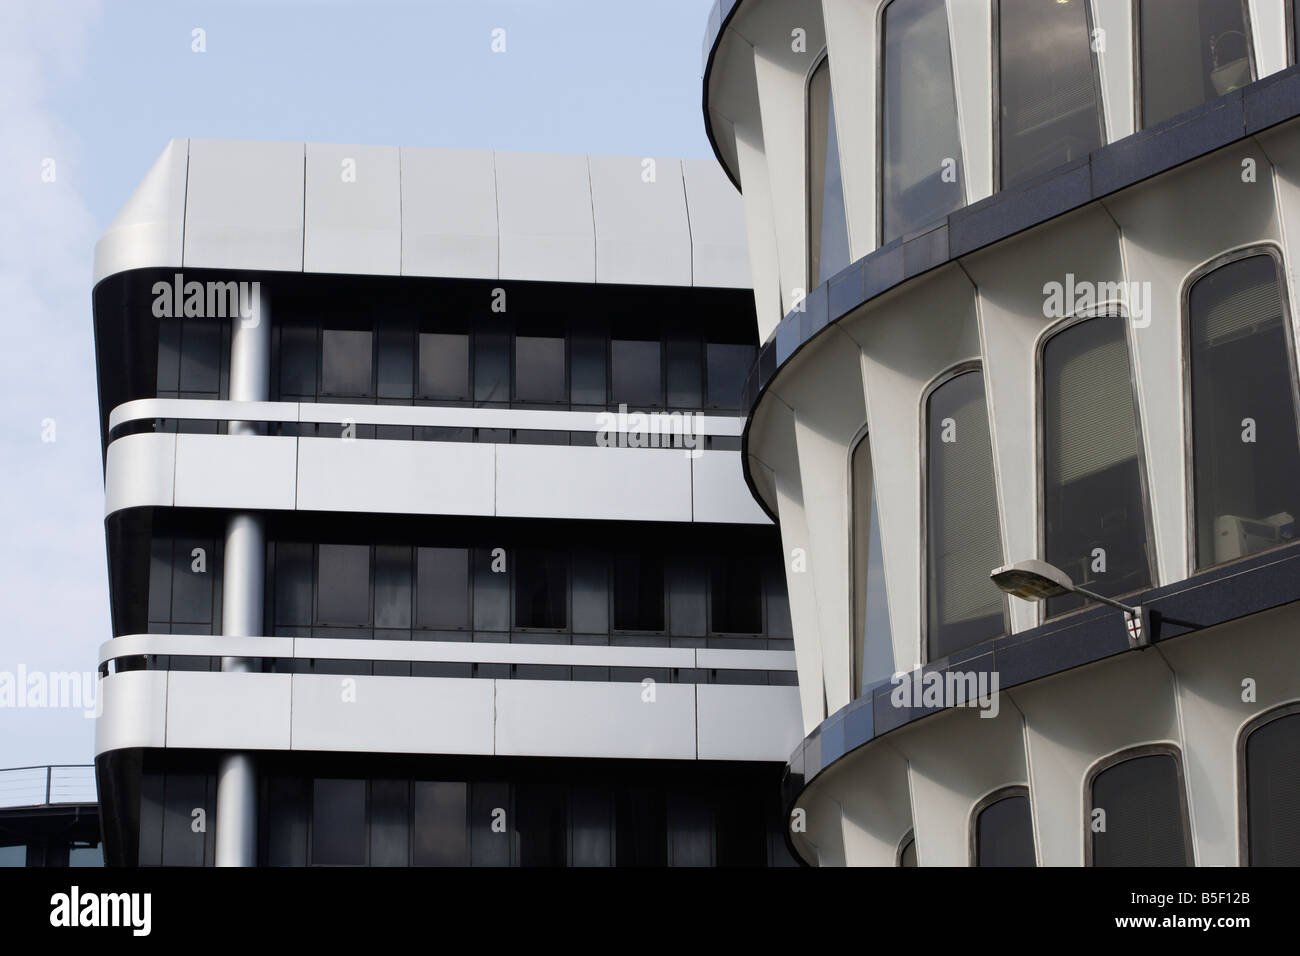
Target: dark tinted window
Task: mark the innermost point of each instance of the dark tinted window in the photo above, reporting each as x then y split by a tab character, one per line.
542	825
1004	834
394	363
390	828
200	355
491	364
297	361
963	542
1143	820
443	587
1244	447
440	834
338	822
828	231
1050	111
684	372
636	372
541	589
921	172
193	569
727	366
589	809
588	377
392	586
641	827
638	592
539	368
343	584
873	641
736	597
346	362
1272	774
293	584
185	793
1192	52
1095	518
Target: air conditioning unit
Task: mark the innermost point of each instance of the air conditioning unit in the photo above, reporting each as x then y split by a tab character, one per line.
1235	537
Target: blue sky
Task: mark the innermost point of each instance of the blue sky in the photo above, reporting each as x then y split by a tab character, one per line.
100	87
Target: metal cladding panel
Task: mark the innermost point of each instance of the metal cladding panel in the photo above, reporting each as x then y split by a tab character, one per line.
719	256
427	715
402	477
747	723
214	710
449	213
353	215
590	719
133	711
560	481
719	492
243	208
149	230
544	214
642	233
235	471
139	472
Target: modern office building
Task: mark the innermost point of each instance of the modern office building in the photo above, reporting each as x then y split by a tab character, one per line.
428	538
1025	283
49	816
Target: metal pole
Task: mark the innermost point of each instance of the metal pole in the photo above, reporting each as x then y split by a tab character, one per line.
243	583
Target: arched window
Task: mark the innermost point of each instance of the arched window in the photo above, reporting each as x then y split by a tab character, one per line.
907	850
1049	107
1189	52
1137	812
1002	830
920	167
873	649
1269	778
1245	450
1094	525
828	231
963	541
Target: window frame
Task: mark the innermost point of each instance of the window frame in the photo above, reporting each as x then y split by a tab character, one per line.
1205	269
1123	756
1259	721
947	375
908	838
986	801
880	120
995	59
1102	310
1135	23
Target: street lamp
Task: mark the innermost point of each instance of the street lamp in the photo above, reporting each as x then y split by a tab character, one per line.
1034	580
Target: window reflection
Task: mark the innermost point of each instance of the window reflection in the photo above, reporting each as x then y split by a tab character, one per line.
873	641
1192	51
828	231
963	541
1050	110
921	174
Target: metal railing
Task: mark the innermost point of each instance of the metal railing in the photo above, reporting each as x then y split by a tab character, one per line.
48	786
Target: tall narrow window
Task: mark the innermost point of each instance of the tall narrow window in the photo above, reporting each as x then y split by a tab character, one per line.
1141	801
1270	773
1003	831
1245	453
1191	52
1095	521
1049	108
873	643
541	589
828	230
921	174
963	543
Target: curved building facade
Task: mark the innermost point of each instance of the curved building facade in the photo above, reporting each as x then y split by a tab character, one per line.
1025	283
428	538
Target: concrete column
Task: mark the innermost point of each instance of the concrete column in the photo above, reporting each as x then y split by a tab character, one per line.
243	586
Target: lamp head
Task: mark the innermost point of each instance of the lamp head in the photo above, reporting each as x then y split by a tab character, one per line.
1032	580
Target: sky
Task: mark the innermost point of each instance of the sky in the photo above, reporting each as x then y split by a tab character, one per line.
90	93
